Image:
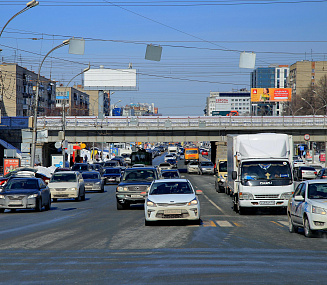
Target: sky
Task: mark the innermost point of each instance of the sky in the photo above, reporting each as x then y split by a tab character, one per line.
201	43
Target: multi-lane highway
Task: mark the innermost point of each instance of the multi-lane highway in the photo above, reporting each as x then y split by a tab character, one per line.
91	242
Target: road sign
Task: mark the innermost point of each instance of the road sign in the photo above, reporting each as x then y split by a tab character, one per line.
58	145
306	137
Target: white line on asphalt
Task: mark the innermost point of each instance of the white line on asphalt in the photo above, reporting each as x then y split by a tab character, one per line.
214	204
224	224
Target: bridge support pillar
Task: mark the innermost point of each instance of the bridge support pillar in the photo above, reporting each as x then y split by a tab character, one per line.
213	152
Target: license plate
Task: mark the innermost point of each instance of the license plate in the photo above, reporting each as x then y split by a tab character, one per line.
267	203
137	196
173	212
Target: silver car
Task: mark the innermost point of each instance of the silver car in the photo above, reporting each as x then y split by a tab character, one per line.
93	181
193	167
206	167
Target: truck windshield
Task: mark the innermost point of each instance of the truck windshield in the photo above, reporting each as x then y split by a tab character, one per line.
191	151
268	170
222	166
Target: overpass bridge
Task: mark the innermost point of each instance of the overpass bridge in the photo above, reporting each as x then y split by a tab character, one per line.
164	128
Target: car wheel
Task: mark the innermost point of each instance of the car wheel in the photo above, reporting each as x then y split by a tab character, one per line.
307	230
2	210
38	206
54	199
148	223
291	227
48	206
121	206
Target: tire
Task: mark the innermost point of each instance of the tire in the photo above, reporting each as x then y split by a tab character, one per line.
83	197
291	227
38	206
2	210
54	199
121	206
241	210
307	230
48	206
148	223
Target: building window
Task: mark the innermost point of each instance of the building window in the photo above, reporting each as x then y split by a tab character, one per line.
278	73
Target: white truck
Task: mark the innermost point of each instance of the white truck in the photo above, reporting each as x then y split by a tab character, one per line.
260	170
172	149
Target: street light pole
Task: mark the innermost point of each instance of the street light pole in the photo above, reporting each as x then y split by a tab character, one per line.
313	110
64	114
36	102
29	5
314	91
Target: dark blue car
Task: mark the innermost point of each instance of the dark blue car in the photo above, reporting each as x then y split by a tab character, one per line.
112	175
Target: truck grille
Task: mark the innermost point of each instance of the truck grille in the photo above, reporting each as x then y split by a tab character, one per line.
267	196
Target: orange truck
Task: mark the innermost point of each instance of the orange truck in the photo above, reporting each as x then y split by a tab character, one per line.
191	154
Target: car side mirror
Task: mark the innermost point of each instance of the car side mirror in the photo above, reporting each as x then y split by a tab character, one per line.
299	198
234	175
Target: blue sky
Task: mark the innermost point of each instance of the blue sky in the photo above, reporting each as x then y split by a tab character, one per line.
193	62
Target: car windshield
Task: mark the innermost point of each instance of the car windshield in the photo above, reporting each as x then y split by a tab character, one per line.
113	170
139	175
63	177
22	184
78	167
170	174
110	164
206	163
317	191
162	188
90	175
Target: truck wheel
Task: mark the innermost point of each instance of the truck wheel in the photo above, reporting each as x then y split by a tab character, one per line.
122	206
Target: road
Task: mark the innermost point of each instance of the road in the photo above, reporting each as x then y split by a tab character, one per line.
91	242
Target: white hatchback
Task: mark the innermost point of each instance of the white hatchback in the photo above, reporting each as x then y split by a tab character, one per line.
172	199
307	207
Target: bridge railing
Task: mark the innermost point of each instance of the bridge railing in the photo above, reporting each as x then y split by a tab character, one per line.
182	122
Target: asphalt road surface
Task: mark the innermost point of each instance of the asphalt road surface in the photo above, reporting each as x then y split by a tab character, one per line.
91	242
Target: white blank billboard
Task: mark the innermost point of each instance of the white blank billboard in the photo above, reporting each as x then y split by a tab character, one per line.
110	79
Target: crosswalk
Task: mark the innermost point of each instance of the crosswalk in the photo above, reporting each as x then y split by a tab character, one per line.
233	224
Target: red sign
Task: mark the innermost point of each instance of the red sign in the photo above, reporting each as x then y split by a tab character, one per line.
322	157
307	137
10	164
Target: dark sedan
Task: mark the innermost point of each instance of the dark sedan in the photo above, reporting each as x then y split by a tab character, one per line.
25	193
93	181
112	175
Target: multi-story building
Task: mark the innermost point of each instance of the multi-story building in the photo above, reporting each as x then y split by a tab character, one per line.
274	76
94	101
304	74
76	102
18	89
224	102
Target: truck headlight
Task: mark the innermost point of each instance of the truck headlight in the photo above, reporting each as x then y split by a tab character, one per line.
318	210
245	196
286	195
33	196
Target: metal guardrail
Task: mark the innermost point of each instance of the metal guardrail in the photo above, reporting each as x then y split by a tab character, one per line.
182	122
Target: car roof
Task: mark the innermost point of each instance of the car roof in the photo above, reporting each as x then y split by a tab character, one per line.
67	172
141	168
171	180
169	170
315	181
91	171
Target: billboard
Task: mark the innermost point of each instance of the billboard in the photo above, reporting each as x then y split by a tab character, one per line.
110	79
10	164
271	94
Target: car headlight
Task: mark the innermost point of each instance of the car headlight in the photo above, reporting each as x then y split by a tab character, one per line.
72	189
318	210
286	195
149	203
2	197
122	188
33	196
97	183
193	202
246	196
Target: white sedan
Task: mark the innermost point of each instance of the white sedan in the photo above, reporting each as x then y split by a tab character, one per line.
172	199
308	207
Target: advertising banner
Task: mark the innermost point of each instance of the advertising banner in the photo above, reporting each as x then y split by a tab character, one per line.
10	164
271	94
223	104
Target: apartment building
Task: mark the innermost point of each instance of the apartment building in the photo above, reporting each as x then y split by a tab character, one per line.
18	89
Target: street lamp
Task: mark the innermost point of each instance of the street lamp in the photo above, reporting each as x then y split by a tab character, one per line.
313	110
76	50
297	111
314	91
64	113
319	109
29	5
113	106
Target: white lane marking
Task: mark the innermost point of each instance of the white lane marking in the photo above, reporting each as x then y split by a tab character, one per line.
284	223
224	224
214	204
